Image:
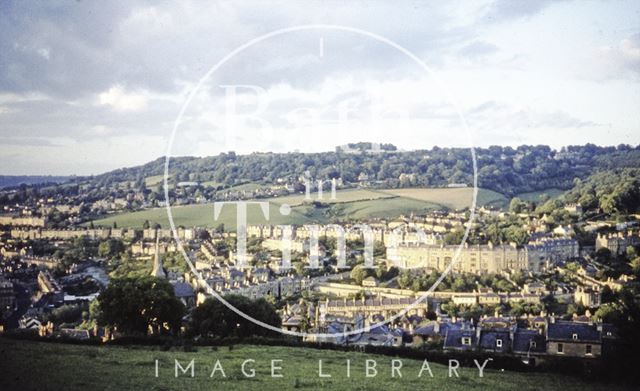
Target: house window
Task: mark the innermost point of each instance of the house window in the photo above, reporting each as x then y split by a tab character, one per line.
499	343
560	348
588	349
575	336
466	341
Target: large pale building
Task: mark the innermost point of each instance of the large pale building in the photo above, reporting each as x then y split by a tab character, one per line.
481	259
477	259
31	221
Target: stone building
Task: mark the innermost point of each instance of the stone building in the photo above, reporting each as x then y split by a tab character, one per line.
573	339
587	296
7	295
617	243
480	259
383	306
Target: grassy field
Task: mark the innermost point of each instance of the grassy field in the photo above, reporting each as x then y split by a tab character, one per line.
201	216
534	196
352	204
350	195
453	198
349	204
153	180
28	365
211	184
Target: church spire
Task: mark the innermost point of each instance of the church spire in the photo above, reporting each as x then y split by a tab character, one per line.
158	270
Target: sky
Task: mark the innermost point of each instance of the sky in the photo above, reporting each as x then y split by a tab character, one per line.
87	87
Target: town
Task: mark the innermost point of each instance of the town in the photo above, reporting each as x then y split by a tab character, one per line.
530	281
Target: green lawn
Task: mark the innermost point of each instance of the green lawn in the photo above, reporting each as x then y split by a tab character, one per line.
353	204
211	184
153	180
349	195
27	365
201	215
454	198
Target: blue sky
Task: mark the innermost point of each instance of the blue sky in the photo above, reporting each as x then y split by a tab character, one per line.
85	88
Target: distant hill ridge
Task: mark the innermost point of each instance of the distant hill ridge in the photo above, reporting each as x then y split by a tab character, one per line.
17	180
506	170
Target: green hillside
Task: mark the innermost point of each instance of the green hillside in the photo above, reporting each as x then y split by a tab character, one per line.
28	365
348	205
453	198
537	196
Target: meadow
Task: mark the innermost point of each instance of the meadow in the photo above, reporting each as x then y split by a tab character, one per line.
452	198
29	365
352	204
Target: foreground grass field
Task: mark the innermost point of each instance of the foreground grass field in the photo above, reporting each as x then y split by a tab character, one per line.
348	205
27	365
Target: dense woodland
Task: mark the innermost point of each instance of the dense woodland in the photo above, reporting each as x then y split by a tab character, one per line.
504	169
600	177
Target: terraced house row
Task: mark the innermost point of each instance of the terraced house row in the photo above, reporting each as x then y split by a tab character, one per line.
536	256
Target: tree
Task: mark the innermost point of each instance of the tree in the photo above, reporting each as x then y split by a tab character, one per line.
305	322
516	235
518	206
404	279
214	319
607	295
65	314
358	274
454	237
635	266
631	252
380	272
625	316
110	248
133	305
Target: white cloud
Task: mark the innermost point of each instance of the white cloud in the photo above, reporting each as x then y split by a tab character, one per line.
99	78
121	100
620	61
45	53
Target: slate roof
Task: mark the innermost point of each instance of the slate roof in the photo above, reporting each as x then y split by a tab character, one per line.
372	302
426	330
564	331
75	334
453	339
497	322
488	340
182	289
429	329
522	342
